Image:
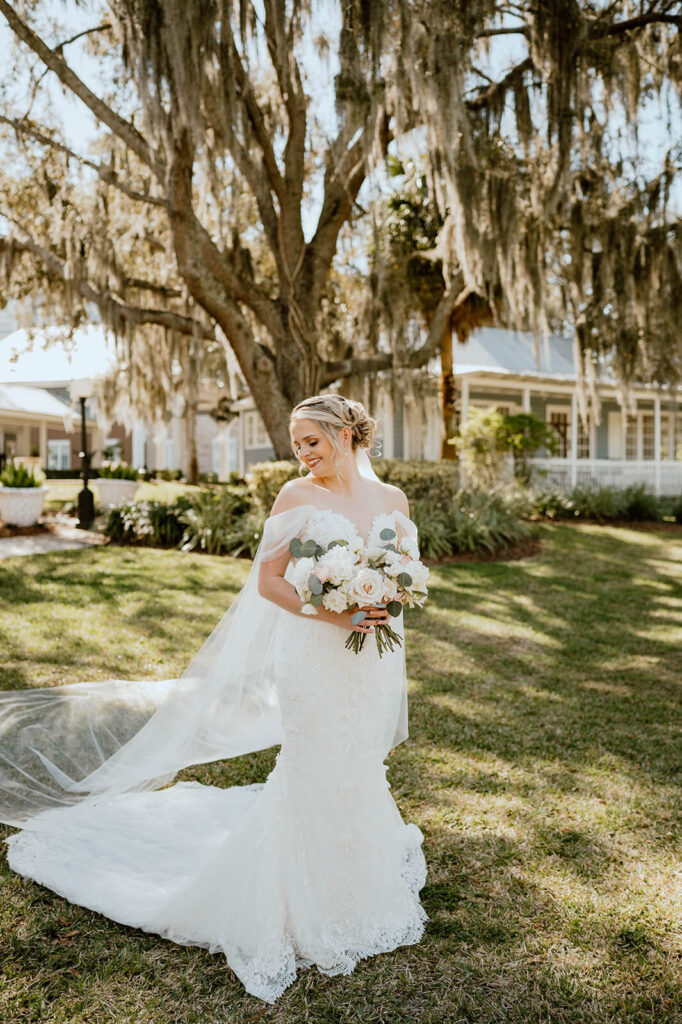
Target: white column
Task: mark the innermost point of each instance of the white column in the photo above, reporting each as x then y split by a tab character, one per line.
657	444
574	439
138	443
464	407
526	398
43	444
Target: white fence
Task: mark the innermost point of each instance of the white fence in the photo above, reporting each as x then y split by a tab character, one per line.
664	477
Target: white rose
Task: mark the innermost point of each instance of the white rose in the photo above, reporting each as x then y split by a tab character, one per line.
366	587
335	601
309	609
301	574
375	552
339	562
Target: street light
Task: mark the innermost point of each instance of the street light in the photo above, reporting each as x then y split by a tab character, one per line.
81	390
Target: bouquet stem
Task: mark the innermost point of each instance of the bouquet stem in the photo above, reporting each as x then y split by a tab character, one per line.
386	640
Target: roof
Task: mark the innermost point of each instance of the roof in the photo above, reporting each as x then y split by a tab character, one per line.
513	352
48	356
32	401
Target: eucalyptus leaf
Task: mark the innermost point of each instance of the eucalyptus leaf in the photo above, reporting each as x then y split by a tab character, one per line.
387	534
296	548
404	579
338	544
308	549
390	547
358	617
319	551
316	600
315	585
394	608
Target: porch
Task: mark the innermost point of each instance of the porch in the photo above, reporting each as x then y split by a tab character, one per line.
643	447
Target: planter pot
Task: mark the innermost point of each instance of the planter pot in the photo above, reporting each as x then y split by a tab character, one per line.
113	492
21	506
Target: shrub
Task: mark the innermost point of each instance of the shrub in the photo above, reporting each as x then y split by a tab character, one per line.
474	520
422	481
16	475
552	504
675	509
211	521
641	506
148	523
118	472
600	503
268	478
435	526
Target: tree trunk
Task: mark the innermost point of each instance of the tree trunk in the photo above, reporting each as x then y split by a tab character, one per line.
446	396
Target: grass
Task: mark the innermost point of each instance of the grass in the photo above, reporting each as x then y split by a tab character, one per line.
62	492
543	767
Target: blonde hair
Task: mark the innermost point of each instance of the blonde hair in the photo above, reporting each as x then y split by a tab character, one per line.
333	413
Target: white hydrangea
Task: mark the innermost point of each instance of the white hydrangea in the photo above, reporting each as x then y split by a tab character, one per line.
340	563
300	574
408	546
309	609
335	601
419	573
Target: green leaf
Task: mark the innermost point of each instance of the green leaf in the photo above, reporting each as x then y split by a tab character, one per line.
315	585
338	544
316	600
394	608
308	549
387	534
319	551
358	617
296	548
404	579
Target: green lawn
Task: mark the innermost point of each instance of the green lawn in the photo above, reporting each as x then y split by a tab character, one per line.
543	767
62	491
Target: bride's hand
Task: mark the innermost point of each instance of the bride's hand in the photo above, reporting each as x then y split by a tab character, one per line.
374	616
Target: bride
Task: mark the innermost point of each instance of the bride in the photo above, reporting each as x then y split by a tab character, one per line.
316	866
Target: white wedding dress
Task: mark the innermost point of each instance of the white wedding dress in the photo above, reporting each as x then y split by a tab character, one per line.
315	867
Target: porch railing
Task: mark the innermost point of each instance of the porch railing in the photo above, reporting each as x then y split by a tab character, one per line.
663	477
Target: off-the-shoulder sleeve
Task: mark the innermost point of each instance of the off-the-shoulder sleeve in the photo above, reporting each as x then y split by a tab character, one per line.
280	530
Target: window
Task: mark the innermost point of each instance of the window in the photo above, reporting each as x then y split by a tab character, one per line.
584	439
113	449
10	446
560	423
648	443
631	451
59	455
255	434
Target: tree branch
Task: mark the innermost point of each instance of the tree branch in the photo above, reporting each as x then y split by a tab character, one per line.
641	21
484	97
106	175
105	302
55	62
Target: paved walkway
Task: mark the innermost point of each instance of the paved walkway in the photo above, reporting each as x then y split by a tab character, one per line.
62	538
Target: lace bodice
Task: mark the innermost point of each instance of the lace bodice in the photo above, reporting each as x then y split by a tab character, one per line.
326	525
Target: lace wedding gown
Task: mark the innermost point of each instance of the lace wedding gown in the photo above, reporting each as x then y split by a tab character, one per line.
315	867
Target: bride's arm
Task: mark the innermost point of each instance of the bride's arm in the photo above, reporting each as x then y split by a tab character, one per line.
273	586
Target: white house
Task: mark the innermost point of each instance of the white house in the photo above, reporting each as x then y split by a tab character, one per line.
46	361
498	368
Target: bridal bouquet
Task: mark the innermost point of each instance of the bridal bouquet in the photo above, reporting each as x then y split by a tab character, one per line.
341	577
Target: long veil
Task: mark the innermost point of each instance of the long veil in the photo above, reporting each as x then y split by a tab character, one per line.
61	745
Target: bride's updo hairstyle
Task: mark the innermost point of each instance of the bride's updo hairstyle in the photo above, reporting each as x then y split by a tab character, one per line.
332	413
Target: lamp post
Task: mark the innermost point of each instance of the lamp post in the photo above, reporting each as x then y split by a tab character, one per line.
81	390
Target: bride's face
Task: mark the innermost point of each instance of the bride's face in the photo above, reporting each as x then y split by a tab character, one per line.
312	448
